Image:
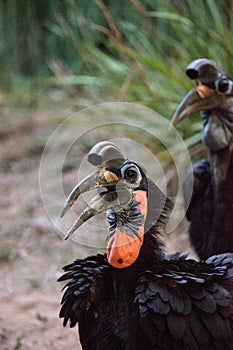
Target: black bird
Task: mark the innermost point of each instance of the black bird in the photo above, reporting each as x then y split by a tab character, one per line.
135	297
209	200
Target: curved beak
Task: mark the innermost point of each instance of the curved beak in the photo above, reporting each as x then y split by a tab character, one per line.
198	99
109	199
107	156
98	179
103	202
208	93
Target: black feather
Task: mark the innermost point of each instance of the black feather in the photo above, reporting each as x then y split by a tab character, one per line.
158	302
208	186
176	324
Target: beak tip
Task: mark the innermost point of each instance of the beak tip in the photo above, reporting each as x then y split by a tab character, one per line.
64	210
69	233
175	120
72	229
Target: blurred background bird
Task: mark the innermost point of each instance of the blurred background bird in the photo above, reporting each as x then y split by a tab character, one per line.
209	199
134	296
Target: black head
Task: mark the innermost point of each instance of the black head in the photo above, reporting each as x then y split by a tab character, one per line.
213	95
125	194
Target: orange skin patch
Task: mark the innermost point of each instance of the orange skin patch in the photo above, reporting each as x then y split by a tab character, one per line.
123	247
109	176
204	91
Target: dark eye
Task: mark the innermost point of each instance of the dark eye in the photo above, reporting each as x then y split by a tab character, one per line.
223	85
131	174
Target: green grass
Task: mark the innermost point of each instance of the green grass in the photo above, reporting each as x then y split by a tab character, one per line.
134	51
144	54
5	251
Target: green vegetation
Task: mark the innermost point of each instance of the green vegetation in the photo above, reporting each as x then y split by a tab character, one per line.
41	318
5	251
124	51
18	344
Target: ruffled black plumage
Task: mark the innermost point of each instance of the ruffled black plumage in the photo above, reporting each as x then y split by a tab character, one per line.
82	287
176	304
210	210
158	302
183	304
97	300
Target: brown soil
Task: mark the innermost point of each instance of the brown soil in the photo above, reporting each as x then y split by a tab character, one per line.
32	251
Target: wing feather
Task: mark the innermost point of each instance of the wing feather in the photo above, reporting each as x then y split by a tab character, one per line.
197	314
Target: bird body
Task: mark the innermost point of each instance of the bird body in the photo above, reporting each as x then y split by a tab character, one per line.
158	301
103	306
209	200
173	304
210	209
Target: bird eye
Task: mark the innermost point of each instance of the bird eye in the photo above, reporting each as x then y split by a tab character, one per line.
223	85
130	173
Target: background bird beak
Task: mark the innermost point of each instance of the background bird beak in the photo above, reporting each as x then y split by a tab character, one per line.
204	96
198	99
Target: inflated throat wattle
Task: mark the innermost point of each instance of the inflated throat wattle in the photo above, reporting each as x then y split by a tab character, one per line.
124	245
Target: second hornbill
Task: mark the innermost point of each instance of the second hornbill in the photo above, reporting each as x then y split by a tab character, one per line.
135	297
210	210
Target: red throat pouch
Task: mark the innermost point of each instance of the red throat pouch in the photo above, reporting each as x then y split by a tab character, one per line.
124	247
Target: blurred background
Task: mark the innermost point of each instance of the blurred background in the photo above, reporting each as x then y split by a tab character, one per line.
57	58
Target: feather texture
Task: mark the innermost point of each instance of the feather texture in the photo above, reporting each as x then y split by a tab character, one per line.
158	302
175	304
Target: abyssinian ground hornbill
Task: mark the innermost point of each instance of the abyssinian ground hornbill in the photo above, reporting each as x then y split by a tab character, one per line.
135	297
210	210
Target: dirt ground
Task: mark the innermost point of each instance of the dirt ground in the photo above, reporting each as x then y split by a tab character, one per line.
32	252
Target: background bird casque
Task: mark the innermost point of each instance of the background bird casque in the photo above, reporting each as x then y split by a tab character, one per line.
209	203
135	296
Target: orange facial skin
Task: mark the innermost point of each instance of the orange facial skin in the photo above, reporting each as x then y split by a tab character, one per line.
204	91
110	176
124	247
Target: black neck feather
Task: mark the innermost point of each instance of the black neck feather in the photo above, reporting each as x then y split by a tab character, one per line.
152	250
159	210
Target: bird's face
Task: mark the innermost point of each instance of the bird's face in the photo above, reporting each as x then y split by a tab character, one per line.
125	199
213	95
